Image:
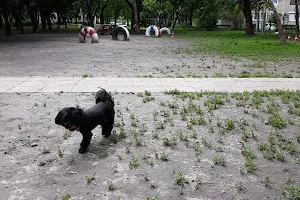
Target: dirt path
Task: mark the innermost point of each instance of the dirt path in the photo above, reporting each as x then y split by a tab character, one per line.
63	55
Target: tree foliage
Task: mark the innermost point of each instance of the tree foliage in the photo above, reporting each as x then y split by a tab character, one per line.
201	13
117	8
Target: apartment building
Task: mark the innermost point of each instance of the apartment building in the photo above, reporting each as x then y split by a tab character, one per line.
285	7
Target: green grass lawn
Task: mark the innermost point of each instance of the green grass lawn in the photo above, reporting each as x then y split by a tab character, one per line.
235	43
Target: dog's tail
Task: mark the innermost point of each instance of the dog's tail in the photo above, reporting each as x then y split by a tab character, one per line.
103	96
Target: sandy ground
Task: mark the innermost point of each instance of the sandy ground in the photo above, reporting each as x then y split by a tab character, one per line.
28	171
62	55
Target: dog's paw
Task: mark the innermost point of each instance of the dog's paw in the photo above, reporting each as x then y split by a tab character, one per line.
82	149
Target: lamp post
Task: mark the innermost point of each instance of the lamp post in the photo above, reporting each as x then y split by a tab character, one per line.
263	21
257	21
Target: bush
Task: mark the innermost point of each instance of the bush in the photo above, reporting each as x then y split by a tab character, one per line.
28	23
289	27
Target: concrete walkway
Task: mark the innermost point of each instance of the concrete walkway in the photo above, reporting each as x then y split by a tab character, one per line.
79	84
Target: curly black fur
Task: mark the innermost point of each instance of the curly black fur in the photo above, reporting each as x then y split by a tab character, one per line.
85	121
103	96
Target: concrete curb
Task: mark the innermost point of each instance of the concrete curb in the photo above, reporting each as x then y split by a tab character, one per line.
79	84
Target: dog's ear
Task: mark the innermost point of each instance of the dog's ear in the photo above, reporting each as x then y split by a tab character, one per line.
76	114
103	96
60	116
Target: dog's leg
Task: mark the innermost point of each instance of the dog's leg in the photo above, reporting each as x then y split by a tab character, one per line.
108	126
106	129
86	139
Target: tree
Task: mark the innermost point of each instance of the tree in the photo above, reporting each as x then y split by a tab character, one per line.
74	10
232	12
178	6
248	17
32	8
17	10
1	22
135	6
278	19
297	15
115	9
93	7
188	13
207	14
46	9
151	9
5	12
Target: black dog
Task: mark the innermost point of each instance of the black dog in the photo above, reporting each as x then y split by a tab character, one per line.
85	121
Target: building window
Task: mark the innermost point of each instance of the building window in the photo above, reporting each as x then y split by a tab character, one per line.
292	2
292	17
274	1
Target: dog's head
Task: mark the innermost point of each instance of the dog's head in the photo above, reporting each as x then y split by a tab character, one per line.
69	118
103	96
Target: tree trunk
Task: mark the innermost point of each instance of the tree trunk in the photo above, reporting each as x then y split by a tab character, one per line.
136	17
175	20
102	14
22	27
93	15
6	19
49	23
263	21
58	21
169	23
135	6
279	25
65	20
20	17
257	17
33	19
92	19
89	14
160	21
176	15
190	17
19	23
297	16
43	19
132	19
248	17
139	8
1	22
102	17
15	14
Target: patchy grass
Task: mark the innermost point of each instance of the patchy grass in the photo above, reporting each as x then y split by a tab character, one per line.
180	180
234	142
90	179
276	121
236	44
291	191
67	134
65	197
219	160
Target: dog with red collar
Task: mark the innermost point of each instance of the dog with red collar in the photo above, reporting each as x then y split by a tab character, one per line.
84	121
